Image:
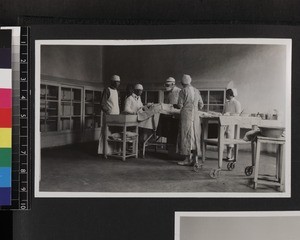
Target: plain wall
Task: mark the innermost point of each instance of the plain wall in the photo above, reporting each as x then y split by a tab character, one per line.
257	71
81	65
71	65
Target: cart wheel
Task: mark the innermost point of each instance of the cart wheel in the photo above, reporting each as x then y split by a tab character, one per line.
197	167
215	173
231	166
249	170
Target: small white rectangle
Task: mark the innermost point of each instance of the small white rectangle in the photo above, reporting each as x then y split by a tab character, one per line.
5	78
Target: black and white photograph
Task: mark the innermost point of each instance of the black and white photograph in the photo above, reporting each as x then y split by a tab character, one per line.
237	225
163	118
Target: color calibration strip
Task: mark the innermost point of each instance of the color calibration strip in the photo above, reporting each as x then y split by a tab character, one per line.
5	117
20	120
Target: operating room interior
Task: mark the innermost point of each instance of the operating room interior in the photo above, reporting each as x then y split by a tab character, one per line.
73	78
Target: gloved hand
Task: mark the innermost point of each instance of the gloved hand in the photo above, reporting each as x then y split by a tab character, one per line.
149	104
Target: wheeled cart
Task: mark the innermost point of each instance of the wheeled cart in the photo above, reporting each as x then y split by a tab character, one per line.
221	141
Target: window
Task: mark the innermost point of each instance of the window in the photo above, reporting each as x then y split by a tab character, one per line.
213	100
66	108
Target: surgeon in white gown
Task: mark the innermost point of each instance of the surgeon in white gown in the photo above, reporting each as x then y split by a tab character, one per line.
189	136
109	105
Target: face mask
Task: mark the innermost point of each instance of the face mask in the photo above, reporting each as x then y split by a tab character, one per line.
115	85
168	88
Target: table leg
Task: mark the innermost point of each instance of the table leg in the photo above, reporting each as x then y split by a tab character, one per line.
221	146
124	144
236	136
278	155
282	168
137	142
257	157
205	135
253	153
105	140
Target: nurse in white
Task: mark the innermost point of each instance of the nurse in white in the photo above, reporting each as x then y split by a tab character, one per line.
110	106
110	97
232	106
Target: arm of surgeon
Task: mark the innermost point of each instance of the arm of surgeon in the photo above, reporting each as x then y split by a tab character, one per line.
127	108
200	103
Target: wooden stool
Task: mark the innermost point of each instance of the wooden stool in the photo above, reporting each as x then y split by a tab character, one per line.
280	163
124	121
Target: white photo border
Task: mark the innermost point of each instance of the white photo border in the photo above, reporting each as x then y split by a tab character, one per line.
248	41
179	215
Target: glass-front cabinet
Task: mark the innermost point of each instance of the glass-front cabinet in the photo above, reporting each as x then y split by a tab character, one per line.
92	117
49	108
71	113
69	108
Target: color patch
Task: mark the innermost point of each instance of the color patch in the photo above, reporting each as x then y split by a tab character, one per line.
5	177
5	78
5	137
5	118
5	196
5	38
5	57
5	98
5	157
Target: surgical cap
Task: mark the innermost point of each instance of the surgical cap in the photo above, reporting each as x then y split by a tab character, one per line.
138	87
170	80
186	79
116	78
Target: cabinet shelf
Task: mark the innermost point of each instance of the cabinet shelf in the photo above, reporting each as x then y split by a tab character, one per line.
68	108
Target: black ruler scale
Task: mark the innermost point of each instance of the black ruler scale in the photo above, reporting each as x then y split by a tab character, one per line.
21	180
25	94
